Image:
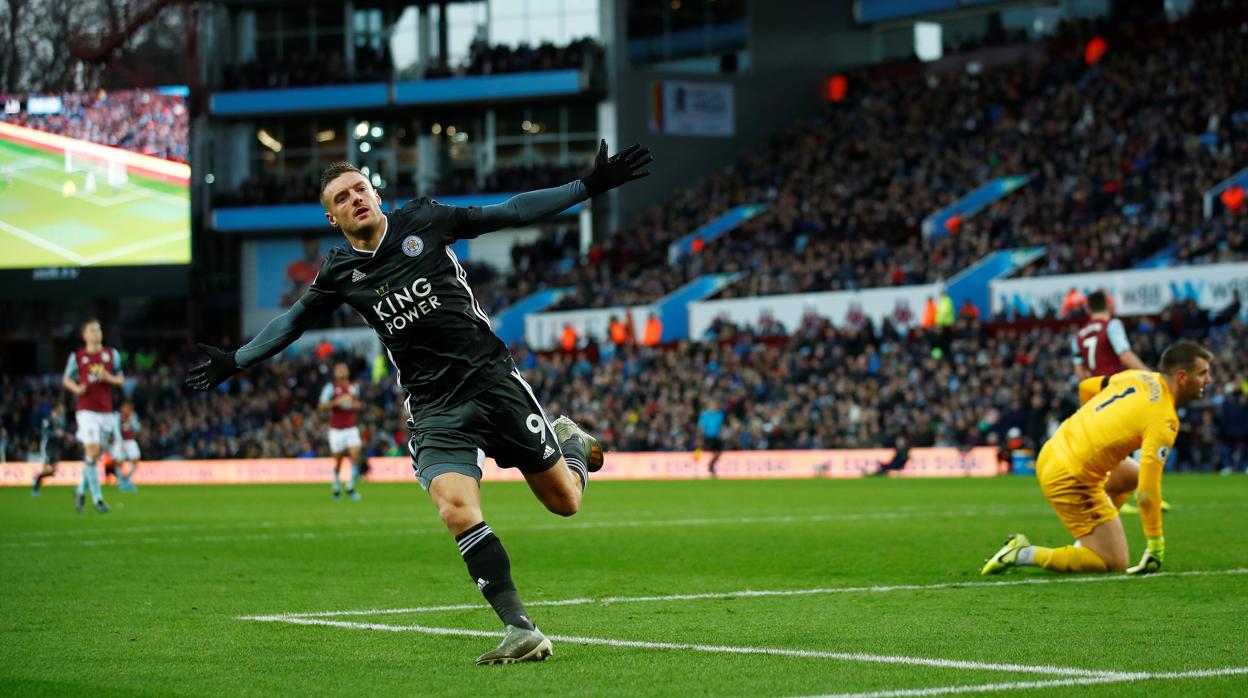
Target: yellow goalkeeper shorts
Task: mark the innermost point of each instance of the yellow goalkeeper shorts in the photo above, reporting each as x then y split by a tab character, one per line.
1081	504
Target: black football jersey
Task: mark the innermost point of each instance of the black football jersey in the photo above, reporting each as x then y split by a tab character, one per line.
414	293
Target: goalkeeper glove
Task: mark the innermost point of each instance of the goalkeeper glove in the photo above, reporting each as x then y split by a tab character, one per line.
1153	554
621	168
220	366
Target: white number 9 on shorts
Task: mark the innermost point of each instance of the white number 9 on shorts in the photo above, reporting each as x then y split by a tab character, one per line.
536	425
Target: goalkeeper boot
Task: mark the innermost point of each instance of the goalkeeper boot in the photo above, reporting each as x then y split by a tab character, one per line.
566	429
80	502
1007	556
518	645
101	507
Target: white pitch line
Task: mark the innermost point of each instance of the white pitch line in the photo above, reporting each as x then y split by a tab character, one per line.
753	593
1024	685
135	247
40	242
720	649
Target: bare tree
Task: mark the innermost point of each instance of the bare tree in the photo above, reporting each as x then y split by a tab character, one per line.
10	63
88	43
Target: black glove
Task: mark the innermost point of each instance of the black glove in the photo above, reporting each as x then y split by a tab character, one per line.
219	367
621	168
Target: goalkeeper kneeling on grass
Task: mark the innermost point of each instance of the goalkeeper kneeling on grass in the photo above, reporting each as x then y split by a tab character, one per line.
1086	474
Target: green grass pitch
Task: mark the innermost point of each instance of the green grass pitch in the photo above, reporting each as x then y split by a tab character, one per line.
144	222
148	600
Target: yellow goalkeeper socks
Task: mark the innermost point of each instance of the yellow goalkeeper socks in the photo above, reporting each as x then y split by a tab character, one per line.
1069	559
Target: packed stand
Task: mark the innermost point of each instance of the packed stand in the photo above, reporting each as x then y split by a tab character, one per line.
140	121
1120	153
855	385
847	387
377	65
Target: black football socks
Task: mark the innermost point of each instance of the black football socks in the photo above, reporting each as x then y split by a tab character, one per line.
490	569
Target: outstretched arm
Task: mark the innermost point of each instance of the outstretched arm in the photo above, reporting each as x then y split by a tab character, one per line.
608	173
520	209
276	336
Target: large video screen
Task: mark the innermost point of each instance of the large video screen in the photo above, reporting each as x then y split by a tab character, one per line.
95	179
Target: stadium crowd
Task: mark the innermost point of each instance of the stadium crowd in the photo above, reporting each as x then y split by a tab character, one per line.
142	121
1119	151
376	65
819	385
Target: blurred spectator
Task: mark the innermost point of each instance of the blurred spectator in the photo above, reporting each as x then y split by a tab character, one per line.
1119	154
821	387
141	121
376	65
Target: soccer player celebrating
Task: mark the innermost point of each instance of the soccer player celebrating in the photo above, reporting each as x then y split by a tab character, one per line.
126	448
341	399
91	373
50	441
466	398
1085	478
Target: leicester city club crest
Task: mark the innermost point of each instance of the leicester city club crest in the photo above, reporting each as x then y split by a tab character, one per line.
413	245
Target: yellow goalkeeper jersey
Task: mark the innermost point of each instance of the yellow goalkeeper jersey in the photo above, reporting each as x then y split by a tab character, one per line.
1132	410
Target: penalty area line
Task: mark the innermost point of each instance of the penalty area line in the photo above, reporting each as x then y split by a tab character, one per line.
862	657
764	593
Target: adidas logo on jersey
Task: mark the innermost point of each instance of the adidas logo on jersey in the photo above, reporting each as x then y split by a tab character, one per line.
550	451
356	275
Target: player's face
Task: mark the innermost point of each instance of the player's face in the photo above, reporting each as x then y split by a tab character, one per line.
92	334
340	372
1194	381
351	203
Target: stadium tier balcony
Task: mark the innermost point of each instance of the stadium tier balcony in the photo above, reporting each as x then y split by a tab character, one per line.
323	84
301	188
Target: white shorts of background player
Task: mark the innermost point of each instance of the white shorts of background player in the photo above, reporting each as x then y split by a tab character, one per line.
342	439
